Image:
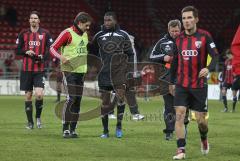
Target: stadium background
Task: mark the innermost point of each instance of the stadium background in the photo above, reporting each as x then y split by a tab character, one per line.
145	19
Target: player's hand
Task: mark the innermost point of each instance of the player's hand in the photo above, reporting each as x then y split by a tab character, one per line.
64	60
203	73
167	58
172	89
30	52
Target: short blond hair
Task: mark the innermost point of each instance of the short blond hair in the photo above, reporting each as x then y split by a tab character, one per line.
174	23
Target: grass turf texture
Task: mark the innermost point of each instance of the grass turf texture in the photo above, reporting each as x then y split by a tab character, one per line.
142	141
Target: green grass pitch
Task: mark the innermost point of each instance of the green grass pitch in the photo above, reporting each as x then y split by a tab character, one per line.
142	141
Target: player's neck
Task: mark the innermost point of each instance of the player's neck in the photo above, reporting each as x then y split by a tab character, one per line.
34	29
191	31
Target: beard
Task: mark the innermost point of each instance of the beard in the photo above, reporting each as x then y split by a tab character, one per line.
34	24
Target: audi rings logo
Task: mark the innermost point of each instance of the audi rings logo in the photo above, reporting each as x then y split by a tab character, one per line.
34	43
189	53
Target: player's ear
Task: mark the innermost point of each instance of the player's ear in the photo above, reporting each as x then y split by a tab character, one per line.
79	25
197	19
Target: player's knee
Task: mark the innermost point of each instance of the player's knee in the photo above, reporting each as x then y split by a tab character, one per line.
120	97
77	103
105	102
201	119
39	96
106	109
202	126
180	117
75	109
73	99
120	102
28	96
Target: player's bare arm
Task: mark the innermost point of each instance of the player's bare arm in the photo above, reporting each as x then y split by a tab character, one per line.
204	72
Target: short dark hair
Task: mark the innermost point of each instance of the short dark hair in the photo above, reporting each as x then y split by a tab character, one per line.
83	17
111	13
191	8
35	13
174	23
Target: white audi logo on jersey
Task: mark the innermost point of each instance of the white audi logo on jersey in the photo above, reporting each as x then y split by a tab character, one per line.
189	53
34	43
229	67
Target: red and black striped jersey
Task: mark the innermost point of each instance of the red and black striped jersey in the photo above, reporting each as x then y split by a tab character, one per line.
191	57
228	72
39	42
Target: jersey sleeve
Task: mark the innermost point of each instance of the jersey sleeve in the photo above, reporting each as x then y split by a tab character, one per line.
129	48
211	47
20	45
156	54
213	52
63	39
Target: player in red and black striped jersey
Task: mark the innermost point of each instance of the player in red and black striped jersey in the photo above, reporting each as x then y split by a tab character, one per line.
189	69
192	58
33	44
228	82
228	74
